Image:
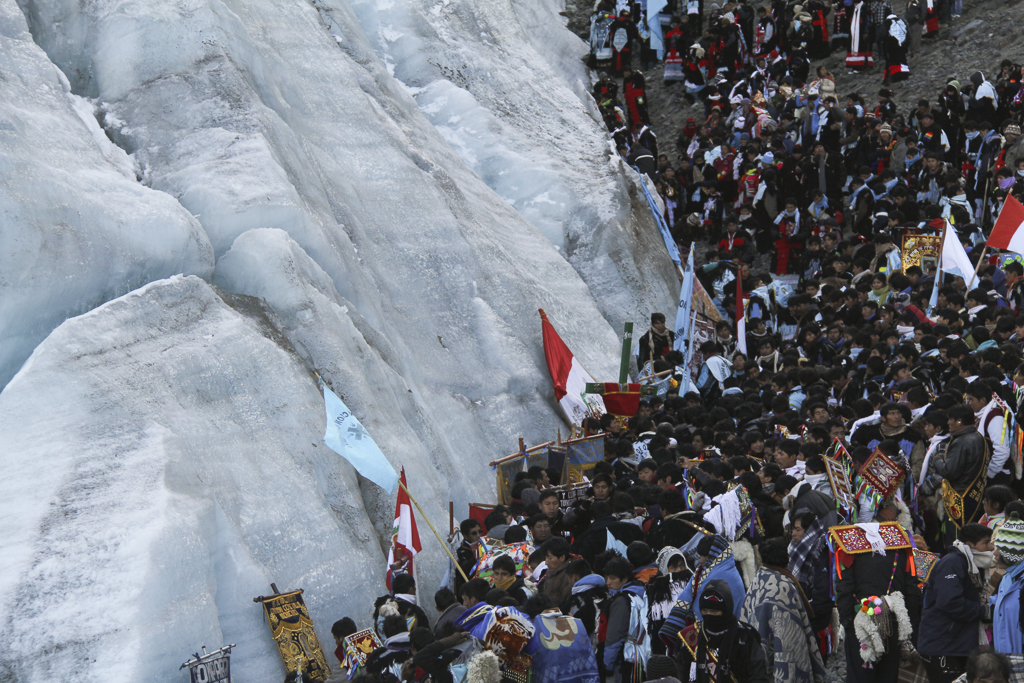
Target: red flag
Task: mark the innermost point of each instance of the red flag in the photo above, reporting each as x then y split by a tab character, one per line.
568	376
405	538
741	318
1008	232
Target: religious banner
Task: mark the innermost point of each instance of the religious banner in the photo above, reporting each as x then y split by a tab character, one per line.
581	455
921	250
571	493
210	667
358	648
853	539
840	483
882	474
924	563
293	631
703	330
703	304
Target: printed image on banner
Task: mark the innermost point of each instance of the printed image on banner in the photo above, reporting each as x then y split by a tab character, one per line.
358	648
212	668
703	330
921	250
581	456
506	476
293	631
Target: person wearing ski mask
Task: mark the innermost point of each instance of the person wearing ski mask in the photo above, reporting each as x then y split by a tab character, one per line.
726	649
955	604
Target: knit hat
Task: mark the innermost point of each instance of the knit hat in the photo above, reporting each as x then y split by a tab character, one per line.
768	159
665	558
1012	129
660	666
886	128
1009	539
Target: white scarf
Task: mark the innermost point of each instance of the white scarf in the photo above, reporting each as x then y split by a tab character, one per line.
873	536
933	445
966	551
855	28
897	29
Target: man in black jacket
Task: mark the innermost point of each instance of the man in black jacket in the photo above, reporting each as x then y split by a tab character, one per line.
656	342
740	656
953	605
963	471
872	574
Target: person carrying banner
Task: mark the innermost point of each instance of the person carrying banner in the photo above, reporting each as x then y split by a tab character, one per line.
964	471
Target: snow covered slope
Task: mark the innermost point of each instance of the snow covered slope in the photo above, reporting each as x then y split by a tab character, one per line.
76	229
166	445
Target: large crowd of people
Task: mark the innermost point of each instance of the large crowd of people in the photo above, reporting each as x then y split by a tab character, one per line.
838	490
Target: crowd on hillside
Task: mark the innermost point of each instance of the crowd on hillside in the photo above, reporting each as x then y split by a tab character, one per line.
848	488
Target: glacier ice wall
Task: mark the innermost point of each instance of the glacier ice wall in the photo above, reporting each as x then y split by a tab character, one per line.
170	469
154	436
504	83
69	198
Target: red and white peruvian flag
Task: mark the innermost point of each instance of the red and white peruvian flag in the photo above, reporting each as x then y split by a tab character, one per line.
405	539
569	377
1008	232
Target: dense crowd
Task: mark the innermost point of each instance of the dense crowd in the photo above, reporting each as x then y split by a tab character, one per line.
844	493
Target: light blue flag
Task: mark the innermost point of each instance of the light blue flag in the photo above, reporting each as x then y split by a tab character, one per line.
349	439
685	304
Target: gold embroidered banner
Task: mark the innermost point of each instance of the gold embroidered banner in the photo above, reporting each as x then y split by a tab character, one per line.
293	631
918	250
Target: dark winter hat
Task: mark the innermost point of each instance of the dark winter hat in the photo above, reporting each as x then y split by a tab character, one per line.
660	666
1009	539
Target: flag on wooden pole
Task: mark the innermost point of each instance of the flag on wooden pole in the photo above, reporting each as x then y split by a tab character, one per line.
568	376
405	538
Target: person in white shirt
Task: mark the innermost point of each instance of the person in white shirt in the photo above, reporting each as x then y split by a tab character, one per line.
992	425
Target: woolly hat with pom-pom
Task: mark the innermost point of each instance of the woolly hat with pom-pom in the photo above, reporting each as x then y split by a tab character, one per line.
1009	539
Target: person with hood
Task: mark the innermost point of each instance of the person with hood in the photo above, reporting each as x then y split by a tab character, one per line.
623	34
588	594
627	640
562	652
387	661
714	561
726	649
1007	612
664	590
777	607
983	102
713	371
896	46
954	605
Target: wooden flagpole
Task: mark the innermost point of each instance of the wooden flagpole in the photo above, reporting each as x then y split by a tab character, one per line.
427	520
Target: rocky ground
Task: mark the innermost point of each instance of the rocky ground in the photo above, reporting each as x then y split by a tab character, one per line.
987	32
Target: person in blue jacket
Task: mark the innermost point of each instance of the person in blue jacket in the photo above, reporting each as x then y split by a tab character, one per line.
1007	630
953	607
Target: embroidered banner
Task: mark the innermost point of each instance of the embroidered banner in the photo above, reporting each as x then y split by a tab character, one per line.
358	648
212	667
581	455
882	473
293	631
